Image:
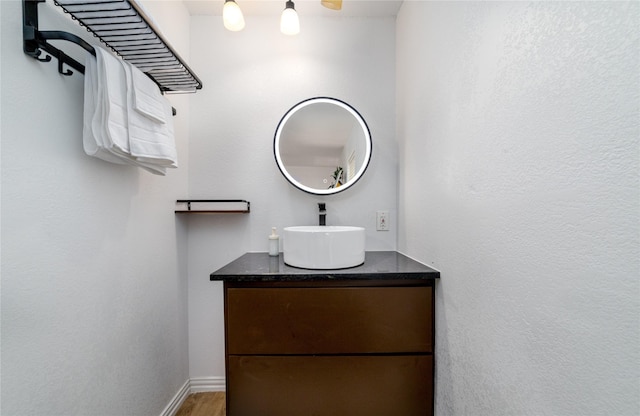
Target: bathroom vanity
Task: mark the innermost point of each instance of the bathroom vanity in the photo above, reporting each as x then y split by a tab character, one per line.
357	341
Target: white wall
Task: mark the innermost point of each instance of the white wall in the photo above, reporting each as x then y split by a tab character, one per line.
251	79
94	289
518	152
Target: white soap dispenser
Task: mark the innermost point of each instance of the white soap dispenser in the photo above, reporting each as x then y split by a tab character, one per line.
274	243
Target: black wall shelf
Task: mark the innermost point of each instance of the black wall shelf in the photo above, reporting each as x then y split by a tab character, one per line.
212	206
122	26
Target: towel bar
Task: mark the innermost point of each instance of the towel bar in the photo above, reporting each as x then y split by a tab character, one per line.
212	206
121	25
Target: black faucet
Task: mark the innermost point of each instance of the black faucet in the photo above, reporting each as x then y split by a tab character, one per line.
323	213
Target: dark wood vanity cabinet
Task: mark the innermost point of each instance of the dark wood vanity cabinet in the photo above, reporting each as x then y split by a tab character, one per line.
329	349
329	344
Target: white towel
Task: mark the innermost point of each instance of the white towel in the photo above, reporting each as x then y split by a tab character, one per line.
109	121
92	138
112	82
149	140
147	98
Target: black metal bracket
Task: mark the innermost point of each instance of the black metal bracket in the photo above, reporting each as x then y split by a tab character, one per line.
35	41
146	49
125	28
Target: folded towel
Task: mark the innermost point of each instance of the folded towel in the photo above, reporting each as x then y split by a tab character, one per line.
149	141
113	83
92	138
147	98
109	137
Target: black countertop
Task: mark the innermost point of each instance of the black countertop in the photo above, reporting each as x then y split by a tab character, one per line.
260	267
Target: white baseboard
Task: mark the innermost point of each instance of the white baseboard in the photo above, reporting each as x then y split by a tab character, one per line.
176	402
201	384
194	385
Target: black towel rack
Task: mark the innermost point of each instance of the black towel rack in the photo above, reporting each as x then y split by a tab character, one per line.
121	25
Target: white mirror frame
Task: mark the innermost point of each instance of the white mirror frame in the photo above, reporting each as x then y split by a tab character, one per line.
354	113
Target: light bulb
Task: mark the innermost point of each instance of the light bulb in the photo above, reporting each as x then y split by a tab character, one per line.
289	22
332	4
232	16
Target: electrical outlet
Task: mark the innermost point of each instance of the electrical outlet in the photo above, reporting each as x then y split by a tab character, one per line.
382	221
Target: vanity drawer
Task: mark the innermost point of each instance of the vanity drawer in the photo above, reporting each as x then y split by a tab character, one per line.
330	385
329	320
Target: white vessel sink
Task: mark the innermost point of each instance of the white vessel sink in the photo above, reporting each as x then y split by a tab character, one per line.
323	247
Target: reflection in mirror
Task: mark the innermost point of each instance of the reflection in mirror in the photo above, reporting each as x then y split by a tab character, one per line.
322	145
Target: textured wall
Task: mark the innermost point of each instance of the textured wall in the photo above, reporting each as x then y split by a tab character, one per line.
251	79
94	292
518	152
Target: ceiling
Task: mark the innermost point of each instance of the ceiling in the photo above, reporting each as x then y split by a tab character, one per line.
350	8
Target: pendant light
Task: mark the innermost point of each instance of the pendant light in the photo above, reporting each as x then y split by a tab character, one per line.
232	16
332	4
289	22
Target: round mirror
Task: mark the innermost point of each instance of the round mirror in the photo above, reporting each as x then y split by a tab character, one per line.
322	145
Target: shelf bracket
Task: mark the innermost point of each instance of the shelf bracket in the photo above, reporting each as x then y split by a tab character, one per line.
35	41
142	46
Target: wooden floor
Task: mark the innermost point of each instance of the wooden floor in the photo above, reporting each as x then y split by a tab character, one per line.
203	404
